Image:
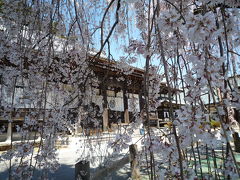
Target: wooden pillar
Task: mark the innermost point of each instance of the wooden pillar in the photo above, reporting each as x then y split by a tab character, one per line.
105	108
135	172
105	119
125	102
158	123
141	102
9	132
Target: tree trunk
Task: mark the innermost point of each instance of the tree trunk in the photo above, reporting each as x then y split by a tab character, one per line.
236	140
135	173
236	137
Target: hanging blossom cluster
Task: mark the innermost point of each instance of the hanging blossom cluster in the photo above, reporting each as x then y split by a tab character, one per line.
44	76
199	42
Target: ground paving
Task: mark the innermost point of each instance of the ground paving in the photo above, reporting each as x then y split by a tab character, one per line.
73	147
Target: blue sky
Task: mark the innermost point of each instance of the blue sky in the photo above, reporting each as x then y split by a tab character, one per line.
118	41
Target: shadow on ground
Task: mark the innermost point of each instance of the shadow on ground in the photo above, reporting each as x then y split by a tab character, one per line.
67	172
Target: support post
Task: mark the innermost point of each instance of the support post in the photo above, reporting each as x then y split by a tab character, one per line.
125	102
158	123
126	116
135	172
9	132
105	119
105	108
82	170
141	102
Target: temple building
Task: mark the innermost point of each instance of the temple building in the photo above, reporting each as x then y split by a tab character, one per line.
115	92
